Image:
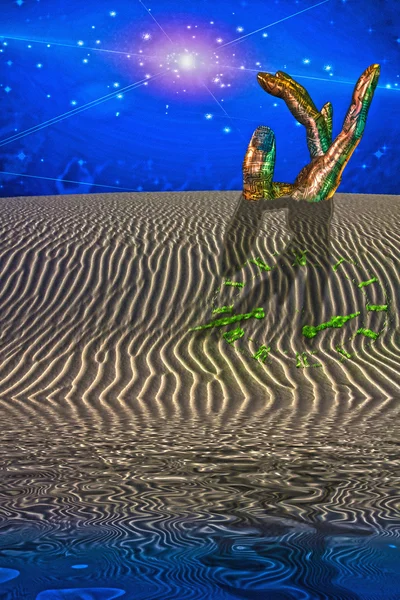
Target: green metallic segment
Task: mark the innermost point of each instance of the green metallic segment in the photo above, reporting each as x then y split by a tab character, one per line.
234	283
364	283
232	336
222	310
305	364
260	263
257	313
262	353
377	307
310	331
300	259
368	333
338	263
299	358
342	351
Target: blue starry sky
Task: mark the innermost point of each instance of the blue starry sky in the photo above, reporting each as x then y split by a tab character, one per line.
161	95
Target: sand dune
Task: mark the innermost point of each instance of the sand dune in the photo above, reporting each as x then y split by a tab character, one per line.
98	294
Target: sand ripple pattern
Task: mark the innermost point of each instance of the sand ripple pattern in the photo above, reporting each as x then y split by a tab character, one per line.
98	293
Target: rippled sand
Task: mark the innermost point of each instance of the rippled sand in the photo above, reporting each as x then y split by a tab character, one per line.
138	456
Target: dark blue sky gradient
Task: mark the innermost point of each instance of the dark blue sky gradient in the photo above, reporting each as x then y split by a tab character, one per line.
68	125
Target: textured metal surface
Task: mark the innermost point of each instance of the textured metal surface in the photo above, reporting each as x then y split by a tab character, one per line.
319	179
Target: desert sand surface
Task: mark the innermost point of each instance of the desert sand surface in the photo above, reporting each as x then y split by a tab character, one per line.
99	294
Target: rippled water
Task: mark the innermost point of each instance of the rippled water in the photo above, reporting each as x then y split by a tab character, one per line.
252	507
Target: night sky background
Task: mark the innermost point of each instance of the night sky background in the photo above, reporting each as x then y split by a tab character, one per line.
161	95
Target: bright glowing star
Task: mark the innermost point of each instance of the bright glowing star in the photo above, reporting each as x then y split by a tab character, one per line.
147	76
141	64
146	36
265	34
98	42
116	84
306	61
327	67
211	22
120	96
189	26
219	40
227	129
240	29
39	65
216	79
85	60
48	45
112	13
258	63
388	86
242	67
186	61
73	102
208	116
80	43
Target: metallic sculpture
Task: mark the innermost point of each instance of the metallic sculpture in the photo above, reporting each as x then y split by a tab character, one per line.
321	177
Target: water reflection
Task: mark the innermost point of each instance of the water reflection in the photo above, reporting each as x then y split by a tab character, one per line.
197	509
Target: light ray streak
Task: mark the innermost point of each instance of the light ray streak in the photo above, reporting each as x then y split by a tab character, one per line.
67	180
270	25
77	110
154	19
382	87
222	108
6	37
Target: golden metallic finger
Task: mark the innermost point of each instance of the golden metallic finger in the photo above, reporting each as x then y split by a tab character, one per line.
302	108
259	165
354	124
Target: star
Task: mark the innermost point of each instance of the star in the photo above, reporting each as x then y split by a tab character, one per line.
378	154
